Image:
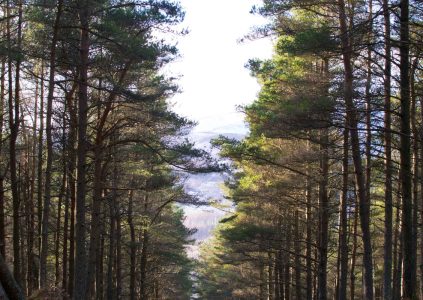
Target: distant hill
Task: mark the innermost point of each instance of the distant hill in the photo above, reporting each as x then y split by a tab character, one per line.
206	186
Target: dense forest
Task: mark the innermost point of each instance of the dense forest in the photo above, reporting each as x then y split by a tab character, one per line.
90	188
328	185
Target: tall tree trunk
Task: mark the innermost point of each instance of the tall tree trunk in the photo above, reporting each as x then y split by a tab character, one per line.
397	256
405	154
31	257
287	260
96	218
270	275
65	238
40	167
309	270
14	103
368	99
297	249
262	284
132	247
324	218
421	203
416	160
100	271
364	202
49	159
276	286
58	225
387	249
118	252
80	275
143	265
71	143
354	252
111	251
343	241
281	275
2	168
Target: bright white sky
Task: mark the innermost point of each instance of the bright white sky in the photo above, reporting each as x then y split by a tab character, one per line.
214	80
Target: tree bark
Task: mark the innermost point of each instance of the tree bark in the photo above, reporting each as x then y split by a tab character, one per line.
387	249
71	161
287	261
297	249
49	159
133	249
343	242
324	218
364	202
14	128
270	275
2	171
80	276
111	251
354	253
309	271
405	155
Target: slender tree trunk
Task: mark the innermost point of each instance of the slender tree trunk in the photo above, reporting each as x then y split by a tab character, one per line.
49	159
100	271
14	104
65	238
270	275
276	286
80	281
309	270
397	257
143	265
368	99
96	218
415	177
262	284
364	202
111	251
405	154
31	257
281	275
387	249
354	253
324	218
133	249
287	260
297	249
73	124
2	219
421	203
40	159
399	270
343	241
2	171
369	106
58	225
118	253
